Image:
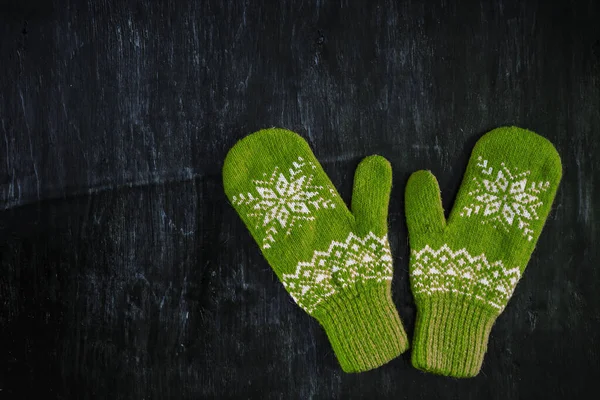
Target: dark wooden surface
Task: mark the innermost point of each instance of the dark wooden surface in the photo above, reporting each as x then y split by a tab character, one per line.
125	274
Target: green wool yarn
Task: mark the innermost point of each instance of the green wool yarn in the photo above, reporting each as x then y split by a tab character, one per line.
336	264
464	271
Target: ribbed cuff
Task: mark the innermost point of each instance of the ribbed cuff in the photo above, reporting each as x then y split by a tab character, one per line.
451	334
364	329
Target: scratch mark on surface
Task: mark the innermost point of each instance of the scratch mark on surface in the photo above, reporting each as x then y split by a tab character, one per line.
162	301
37	177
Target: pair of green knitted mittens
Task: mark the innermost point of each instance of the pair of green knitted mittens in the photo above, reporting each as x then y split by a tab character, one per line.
337	264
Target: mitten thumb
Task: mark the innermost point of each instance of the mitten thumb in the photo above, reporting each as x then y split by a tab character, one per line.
371	195
423	204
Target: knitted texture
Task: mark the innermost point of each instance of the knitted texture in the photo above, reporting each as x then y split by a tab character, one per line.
464	271
335	264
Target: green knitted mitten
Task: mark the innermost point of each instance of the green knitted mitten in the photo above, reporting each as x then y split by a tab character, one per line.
336	264
464	271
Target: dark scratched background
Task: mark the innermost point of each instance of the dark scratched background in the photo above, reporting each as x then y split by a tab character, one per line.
125	273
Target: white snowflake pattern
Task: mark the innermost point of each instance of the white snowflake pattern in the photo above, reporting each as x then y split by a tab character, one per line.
505	197
281	201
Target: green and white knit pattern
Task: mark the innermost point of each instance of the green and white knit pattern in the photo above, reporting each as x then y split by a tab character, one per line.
500	201
357	260
279	202
445	270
